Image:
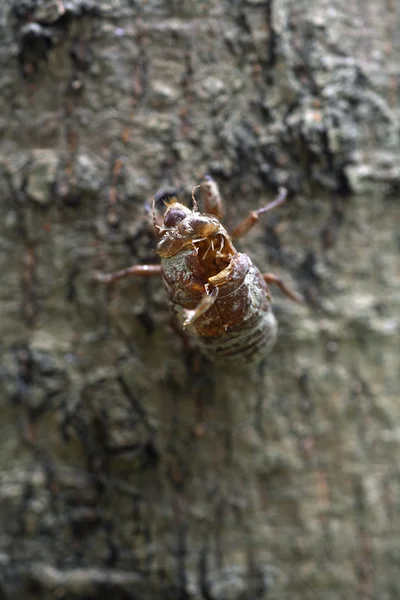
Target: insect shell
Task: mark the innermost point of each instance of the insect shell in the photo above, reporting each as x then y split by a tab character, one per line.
216	292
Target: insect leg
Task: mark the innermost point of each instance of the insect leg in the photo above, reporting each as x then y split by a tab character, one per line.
254	216
139	270
205	303
271	278
211	197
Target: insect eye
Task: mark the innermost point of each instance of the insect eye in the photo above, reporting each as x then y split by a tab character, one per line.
173	217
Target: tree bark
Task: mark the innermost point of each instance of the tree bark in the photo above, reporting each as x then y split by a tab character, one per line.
130	467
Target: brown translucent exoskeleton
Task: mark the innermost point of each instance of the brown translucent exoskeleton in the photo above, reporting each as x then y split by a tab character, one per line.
216	292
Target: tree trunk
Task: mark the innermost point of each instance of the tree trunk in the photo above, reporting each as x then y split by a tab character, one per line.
130	467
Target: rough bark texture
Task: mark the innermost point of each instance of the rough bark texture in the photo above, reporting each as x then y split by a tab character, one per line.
129	467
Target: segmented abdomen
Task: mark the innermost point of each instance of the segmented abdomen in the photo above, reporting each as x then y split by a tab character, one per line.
240	325
248	345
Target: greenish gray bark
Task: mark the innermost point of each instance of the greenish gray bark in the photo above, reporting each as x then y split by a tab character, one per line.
130	467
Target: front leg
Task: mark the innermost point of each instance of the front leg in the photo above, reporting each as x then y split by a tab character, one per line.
254	216
206	301
138	270
271	278
211	197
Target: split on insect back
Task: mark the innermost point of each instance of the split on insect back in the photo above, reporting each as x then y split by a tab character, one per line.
215	292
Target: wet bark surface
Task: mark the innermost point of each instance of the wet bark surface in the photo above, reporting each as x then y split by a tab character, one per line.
129	466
